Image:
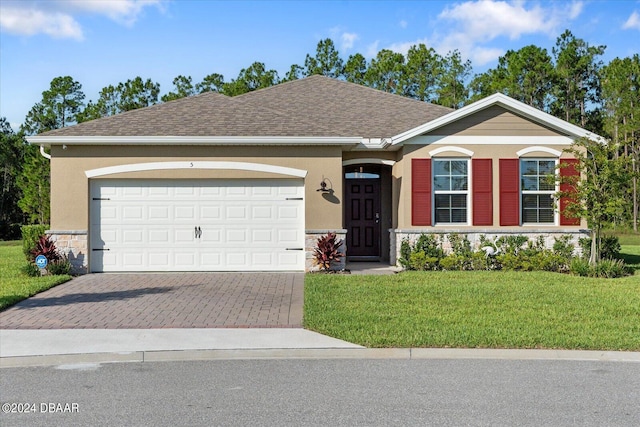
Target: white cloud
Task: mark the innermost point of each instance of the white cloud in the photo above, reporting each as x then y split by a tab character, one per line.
30	21
633	23
474	24
488	19
372	49
58	18
403	24
575	9
122	11
404	47
347	40
482	56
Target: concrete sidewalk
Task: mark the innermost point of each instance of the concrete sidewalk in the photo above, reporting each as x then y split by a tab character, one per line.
20	348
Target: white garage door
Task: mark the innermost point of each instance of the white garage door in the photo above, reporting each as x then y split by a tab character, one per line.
197	225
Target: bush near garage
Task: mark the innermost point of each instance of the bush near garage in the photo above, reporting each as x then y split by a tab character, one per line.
34	244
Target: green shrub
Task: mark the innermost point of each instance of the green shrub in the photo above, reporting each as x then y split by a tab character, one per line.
579	267
405	253
549	261
31	270
511	244
452	262
564	247
519	262
419	260
430	245
610	269
605	269
609	247
61	266
460	245
30	236
515	253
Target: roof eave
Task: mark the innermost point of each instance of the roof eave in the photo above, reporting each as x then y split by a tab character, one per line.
505	102
47	141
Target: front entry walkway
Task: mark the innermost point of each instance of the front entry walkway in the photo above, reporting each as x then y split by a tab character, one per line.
164	300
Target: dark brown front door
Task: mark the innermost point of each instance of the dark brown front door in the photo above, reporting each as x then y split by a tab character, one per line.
363	218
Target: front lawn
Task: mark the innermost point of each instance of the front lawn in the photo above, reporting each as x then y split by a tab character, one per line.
14	284
477	309
631	256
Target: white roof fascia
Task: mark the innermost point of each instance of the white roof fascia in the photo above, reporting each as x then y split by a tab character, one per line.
192	140
373	144
506	102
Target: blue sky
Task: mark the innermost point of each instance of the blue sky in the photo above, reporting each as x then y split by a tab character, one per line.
106	42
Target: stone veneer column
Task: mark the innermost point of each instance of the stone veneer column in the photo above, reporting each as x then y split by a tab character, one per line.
311	239
72	243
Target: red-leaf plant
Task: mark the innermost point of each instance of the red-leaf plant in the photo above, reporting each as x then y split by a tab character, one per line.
44	246
327	251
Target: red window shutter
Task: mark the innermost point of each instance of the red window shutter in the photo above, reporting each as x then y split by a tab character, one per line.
482	191
421	191
567	171
509	192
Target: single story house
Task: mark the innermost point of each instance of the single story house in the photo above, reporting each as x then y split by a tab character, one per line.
217	183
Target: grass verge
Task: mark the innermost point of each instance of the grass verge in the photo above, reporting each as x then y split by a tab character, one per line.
478	309
631	256
14	284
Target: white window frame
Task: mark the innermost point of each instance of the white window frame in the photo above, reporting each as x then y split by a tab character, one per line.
556	216
466	192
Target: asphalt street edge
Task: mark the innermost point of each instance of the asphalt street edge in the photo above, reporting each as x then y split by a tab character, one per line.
321	353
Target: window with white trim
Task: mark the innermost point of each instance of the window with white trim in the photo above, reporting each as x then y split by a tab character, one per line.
451	190
538	187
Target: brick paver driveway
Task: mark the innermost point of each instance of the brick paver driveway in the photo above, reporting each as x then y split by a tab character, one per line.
167	300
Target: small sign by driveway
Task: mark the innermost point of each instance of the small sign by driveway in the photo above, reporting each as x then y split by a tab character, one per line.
41	261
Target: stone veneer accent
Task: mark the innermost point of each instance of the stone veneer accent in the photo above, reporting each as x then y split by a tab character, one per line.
311	239
72	243
397	236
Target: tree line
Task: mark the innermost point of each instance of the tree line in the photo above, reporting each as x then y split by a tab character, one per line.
570	82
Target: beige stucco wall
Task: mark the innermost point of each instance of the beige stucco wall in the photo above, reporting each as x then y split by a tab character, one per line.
70	186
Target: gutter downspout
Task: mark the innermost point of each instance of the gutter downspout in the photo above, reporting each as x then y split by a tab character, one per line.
45	155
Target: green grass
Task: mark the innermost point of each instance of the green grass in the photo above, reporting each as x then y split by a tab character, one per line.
625	237
631	256
479	309
14	284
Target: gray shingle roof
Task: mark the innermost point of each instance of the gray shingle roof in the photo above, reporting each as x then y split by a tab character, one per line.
314	106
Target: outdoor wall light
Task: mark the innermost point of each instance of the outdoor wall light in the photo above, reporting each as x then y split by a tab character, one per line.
323	186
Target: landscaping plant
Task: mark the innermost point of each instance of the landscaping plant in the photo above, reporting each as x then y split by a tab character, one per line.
327	251
510	253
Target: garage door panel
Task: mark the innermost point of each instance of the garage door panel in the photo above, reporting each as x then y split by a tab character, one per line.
150	225
210	214
133	259
159	213
235	213
290	259
159	236
288	212
289	236
211	235
132	237
184	213
237	235
262	236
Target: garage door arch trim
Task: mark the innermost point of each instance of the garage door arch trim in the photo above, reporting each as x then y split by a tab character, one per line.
255	167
